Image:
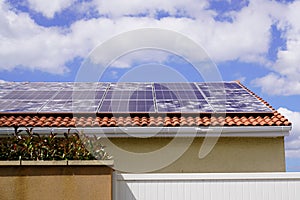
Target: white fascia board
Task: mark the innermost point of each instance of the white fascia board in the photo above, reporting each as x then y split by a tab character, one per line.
144	132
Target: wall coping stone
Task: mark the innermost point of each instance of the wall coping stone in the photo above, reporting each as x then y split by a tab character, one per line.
56	162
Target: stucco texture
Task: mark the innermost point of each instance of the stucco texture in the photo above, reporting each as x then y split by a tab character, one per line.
52	182
232	154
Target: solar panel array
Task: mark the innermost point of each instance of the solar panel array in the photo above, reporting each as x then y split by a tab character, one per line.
65	97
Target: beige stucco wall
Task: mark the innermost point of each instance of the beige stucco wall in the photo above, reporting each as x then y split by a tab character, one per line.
52	182
228	155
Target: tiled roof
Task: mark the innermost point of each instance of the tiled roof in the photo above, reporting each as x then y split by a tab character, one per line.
108	120
275	119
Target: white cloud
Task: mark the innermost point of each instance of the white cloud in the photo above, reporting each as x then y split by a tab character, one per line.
284	86
246	38
139	57
23	43
286	69
292	142
223	40
119	8
49	8
239	39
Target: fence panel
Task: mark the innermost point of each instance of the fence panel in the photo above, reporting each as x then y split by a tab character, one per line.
235	186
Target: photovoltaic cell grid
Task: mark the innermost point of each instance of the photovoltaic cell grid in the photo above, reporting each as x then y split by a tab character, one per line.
51	97
127	97
231	97
76	98
180	97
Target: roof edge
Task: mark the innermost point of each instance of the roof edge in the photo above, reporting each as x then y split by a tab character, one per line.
146	132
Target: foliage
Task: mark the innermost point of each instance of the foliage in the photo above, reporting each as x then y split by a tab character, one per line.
33	146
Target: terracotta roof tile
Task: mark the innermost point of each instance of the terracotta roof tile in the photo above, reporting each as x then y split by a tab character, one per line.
274	119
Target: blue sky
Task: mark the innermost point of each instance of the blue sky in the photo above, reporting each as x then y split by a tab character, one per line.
256	42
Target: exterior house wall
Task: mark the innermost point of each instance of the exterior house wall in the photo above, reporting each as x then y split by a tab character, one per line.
232	154
55	182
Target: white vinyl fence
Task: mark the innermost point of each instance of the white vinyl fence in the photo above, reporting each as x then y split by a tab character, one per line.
190	186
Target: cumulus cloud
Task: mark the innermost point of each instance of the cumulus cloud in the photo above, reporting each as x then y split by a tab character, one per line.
246	37
24	43
49	8
286	69
284	86
292	142
119	8
140	57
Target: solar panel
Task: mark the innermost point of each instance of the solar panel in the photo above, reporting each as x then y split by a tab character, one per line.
219	86
239	106
8	85
175	86
87	86
84	94
231	97
131	86
128	97
178	95
4	93
186	106
30	95
125	106
70	106
39	86
21	106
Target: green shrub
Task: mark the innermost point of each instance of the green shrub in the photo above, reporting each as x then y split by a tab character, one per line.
33	146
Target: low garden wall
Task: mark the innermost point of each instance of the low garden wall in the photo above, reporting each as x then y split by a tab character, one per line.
56	180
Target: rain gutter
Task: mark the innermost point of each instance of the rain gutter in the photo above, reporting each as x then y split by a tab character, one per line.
125	132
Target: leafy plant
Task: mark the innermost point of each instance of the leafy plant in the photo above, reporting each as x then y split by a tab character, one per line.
33	146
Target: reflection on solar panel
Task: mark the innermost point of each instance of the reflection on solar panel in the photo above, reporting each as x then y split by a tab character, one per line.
70	106
76	95
131	86
20	106
175	86
179	95
128	98
129	95
30	95
188	106
125	106
231	97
